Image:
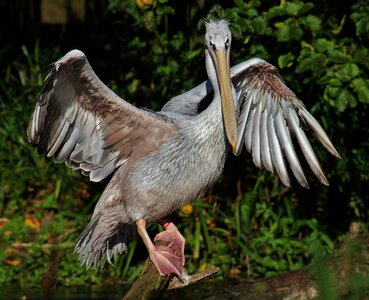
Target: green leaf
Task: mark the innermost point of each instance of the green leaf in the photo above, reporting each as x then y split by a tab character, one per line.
334	91
259	50
313	62
306	7
351	99
361	21
286	60
344	99
287	31
328	98
347	72
191	54
313	22
324	80
335	82
292	8
323	45
361	87
275	11
296	32
260	25
239	3
252	12
165	10
361	55
283	32
177	41
338	57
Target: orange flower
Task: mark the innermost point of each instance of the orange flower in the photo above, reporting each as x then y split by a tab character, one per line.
203	267
234	272
187	209
144	4
3	222
13	262
8	233
32	222
8	250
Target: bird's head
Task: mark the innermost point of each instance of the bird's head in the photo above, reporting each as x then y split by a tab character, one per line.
218	39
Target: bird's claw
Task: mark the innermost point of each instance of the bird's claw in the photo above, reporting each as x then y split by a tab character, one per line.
185	278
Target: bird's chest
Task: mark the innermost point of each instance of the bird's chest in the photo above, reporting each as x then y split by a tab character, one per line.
176	175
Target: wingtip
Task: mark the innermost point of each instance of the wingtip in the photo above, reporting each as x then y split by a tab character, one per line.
285	179
305	184
324	181
319	132
336	154
322	178
332	150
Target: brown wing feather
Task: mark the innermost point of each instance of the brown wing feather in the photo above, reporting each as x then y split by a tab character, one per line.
79	120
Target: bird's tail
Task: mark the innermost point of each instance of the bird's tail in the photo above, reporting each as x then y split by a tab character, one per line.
103	237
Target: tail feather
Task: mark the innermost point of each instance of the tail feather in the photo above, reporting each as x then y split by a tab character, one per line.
103	238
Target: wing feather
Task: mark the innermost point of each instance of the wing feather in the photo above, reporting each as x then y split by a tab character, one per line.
57	137
264	145
255	137
276	153
284	138
306	147
76	114
248	131
244	114
319	132
68	145
273	112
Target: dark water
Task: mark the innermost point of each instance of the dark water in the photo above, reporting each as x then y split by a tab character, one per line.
201	290
67	293
205	290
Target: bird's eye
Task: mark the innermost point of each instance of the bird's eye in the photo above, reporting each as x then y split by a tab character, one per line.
212	45
227	42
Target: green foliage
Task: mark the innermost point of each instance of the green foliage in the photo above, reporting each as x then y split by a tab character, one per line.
337	63
148	51
252	236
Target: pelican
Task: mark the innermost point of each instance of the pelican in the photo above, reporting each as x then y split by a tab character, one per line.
160	161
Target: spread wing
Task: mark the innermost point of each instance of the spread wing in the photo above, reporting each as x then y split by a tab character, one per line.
79	120
270	114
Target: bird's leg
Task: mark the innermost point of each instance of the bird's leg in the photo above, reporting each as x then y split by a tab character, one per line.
161	255
172	237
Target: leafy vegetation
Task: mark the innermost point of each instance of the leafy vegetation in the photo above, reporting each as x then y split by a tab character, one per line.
148	51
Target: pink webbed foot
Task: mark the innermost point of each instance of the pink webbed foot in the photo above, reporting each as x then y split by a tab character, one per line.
165	261
172	239
168	252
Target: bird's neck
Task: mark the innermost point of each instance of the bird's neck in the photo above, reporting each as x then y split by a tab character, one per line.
212	72
211	119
